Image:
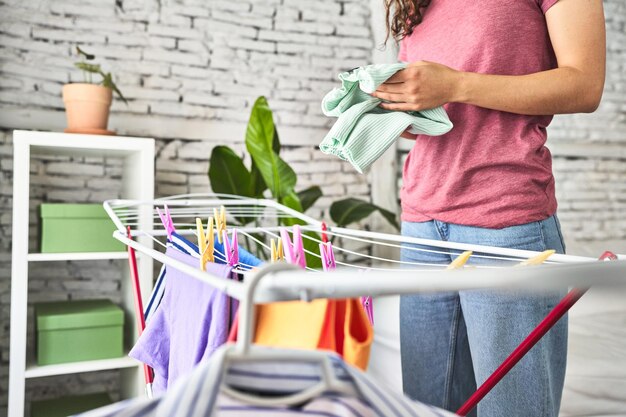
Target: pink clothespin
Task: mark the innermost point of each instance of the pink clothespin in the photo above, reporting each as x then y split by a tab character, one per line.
294	253
231	249
328	257
368	306
166	219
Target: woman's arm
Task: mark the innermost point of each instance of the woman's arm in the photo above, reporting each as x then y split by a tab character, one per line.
577	33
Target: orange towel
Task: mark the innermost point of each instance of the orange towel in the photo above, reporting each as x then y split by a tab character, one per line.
337	325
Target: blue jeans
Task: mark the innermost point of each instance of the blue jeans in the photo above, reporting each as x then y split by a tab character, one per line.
451	342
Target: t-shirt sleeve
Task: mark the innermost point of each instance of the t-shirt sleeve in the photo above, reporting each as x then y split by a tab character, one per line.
546	4
402	53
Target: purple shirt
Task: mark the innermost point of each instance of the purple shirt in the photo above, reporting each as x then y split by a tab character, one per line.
492	170
190	324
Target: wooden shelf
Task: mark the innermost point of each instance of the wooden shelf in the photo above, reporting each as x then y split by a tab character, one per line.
75	256
36	371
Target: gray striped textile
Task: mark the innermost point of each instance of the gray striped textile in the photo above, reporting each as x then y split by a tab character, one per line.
364	131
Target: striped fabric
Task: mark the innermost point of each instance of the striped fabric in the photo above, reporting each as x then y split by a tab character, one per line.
364	131
246	261
183	245
199	394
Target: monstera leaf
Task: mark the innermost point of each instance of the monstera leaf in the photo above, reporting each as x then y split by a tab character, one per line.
351	210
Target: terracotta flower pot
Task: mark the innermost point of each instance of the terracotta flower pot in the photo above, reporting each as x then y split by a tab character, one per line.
87	108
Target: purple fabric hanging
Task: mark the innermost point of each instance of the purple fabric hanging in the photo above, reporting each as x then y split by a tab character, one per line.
191	323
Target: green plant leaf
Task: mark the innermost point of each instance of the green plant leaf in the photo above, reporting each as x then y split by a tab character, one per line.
229	175
260	142
107	81
292	201
93	68
257	184
87	56
350	210
309	196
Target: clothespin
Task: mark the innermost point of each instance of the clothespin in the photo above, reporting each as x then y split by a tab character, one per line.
231	249
537	260
277	250
205	242
324	236
294	253
328	257
220	222
608	256
460	260
368	306
166	219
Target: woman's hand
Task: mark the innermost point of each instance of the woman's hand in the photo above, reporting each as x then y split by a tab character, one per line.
421	85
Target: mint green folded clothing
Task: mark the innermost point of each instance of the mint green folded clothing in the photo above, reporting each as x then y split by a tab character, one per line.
363	130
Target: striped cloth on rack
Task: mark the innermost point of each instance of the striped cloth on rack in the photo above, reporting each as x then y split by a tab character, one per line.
247	260
199	394
364	131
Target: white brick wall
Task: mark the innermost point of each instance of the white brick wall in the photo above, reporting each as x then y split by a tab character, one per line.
196	63
231	46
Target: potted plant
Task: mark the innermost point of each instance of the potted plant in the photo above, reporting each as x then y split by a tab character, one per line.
87	104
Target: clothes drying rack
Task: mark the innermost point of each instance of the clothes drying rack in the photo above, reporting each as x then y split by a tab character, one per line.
284	282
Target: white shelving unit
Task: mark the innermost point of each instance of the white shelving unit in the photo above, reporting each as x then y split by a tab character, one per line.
137	183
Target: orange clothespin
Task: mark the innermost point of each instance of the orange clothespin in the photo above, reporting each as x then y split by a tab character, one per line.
460	260
539	259
205	242
277	250
220	222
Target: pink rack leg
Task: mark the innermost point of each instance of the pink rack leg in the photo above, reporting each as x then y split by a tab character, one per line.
141	323
546	324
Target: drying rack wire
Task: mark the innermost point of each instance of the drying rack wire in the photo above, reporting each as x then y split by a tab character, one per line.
257	221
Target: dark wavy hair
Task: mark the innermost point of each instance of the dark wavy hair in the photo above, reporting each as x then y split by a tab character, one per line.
407	14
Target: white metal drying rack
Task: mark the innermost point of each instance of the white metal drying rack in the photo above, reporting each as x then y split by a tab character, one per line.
282	282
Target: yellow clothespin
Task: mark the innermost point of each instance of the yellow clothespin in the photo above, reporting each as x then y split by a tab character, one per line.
205	242
537	260
220	222
460	260
277	250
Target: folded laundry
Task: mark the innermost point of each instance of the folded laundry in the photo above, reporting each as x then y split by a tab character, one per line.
363	130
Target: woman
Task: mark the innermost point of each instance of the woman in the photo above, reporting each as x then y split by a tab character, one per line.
501	69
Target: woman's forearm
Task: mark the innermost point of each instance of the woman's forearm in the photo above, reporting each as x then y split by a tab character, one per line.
557	91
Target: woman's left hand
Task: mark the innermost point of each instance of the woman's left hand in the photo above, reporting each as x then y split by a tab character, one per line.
421	85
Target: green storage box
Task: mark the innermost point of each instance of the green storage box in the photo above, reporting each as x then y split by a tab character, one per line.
77	228
67	406
73	331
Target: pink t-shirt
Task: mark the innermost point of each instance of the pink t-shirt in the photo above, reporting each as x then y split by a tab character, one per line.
492	169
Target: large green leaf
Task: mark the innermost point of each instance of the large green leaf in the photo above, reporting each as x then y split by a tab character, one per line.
309	196
260	141
257	184
228	175
351	210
